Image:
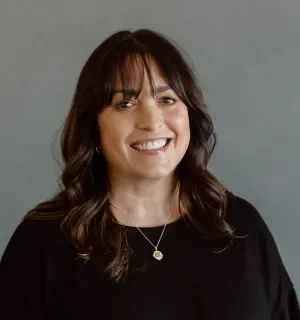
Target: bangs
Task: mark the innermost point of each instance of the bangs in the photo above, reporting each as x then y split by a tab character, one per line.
129	62
128	71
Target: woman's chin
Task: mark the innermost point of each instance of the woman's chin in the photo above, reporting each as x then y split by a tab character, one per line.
155	173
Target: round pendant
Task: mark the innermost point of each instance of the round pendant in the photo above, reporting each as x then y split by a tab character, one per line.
157	255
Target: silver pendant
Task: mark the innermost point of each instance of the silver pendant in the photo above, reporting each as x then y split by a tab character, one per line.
157	255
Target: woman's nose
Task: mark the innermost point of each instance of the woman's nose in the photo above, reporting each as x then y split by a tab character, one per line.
149	116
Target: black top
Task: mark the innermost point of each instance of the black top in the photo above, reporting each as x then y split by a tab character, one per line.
40	277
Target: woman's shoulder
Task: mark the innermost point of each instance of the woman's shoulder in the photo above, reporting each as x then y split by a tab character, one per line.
35	235
261	245
243	214
35	227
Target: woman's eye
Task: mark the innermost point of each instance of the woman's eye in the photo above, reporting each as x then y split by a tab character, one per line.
167	100
124	105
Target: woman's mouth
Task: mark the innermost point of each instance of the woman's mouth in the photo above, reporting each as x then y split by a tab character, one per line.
154	146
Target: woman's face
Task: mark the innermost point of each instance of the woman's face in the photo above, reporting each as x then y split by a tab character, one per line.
133	132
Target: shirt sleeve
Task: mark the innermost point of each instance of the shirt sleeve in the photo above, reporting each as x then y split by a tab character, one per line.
21	275
278	287
290	307
280	290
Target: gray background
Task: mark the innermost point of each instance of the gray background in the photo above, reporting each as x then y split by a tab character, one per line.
247	54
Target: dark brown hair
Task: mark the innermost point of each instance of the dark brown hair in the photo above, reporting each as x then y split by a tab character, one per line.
83	203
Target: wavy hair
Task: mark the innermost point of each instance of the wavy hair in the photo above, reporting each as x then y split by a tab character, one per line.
82	203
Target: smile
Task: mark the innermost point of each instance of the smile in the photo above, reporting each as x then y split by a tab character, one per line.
152	145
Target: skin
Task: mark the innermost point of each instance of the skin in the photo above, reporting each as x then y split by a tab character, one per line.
142	186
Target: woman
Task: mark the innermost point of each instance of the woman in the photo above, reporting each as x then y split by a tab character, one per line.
140	228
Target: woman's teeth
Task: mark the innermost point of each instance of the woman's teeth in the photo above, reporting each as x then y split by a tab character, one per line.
157	144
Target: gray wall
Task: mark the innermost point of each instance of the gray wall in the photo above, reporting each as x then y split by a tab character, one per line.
247	54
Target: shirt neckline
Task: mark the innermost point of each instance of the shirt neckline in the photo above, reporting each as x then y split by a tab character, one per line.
168	225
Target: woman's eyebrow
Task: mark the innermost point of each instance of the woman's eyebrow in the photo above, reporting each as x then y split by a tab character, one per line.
162	89
134	92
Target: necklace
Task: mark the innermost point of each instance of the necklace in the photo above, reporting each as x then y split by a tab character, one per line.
157	254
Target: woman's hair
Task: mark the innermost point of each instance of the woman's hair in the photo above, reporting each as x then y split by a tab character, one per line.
83	202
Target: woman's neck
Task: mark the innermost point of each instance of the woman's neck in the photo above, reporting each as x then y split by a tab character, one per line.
145	206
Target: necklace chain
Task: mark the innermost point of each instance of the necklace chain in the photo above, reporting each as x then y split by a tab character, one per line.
155	247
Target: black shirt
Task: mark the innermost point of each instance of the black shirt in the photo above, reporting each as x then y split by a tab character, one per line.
41	278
